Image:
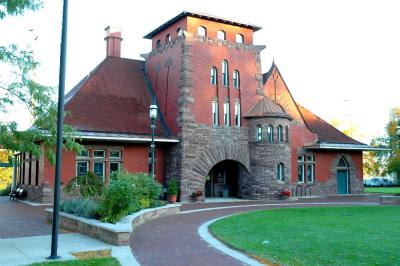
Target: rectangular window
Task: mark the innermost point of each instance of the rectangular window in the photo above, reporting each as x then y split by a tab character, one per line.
84	153
237	114
82	168
226	114
310	168
115	154
300	168
215	113
98	169
99	153
115	167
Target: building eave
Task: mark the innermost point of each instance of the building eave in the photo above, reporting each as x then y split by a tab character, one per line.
204	16
344	146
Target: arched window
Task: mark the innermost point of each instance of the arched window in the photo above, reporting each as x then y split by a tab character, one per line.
236	79
221	35
168	38
280	172
280	133
158	44
225	73
239	38
213	76
287	134
179	32
270	133
343	163
258	133
202	31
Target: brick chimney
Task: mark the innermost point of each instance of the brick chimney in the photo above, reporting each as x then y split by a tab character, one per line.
113	39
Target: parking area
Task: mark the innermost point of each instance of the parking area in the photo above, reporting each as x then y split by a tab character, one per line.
18	219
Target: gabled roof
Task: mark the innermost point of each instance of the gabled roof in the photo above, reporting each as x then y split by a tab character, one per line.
265	107
114	99
326	132
202	16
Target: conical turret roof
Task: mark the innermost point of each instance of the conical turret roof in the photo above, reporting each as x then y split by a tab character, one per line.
265	107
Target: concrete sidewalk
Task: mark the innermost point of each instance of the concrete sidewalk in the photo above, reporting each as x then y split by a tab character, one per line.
27	250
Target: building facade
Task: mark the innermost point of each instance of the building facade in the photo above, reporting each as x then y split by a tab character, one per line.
224	127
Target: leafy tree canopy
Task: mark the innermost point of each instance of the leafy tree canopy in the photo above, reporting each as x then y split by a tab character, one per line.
18	87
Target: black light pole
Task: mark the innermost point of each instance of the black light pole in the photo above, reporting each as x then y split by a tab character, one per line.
153	116
60	126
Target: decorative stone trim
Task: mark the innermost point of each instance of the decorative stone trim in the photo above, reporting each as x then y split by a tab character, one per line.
116	234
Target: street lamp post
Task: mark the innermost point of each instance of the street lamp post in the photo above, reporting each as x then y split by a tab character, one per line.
153	116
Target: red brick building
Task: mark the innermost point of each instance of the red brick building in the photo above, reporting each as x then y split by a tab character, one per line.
223	126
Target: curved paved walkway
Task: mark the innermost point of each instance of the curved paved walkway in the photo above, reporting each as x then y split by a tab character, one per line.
174	240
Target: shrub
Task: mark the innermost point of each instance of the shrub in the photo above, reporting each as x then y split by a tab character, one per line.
89	186
81	207
128	193
173	187
6	191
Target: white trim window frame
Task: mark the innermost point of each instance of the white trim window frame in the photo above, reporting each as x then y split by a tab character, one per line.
310	168
119	156
103	174
258	133
300	168
226	114
214	112
237	114
281	172
78	168
119	168
97	156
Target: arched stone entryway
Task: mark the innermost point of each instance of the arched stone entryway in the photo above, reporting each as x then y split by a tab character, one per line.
344	174
219	160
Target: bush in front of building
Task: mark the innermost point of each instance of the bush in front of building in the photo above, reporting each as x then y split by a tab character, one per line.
88	186
6	191
81	207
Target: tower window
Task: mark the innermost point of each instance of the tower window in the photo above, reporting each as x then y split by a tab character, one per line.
225	73
280	133
237	114
201	31
221	35
168	38
287	134
239	38
215	113
258	133
281	172
236	79
270	133
213	76
226	114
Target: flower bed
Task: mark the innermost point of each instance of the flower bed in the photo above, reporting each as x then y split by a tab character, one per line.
115	234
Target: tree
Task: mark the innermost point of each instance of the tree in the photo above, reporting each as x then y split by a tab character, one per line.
19	87
5	172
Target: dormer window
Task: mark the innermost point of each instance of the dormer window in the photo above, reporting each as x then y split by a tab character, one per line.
179	32
168	38
221	35
158	44
202	31
239	38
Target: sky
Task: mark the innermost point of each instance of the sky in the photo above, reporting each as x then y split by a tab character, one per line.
340	59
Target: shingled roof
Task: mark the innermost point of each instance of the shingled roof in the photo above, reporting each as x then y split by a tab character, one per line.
326	132
113	98
265	107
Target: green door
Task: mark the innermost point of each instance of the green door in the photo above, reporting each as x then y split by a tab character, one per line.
342	182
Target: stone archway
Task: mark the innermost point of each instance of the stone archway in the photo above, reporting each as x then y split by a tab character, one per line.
336	170
210	156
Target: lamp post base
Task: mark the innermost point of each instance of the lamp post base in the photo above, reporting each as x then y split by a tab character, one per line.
53	257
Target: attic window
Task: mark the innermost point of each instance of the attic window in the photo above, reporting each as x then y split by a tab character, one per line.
239	38
179	32
221	35
202	31
158	44
168	38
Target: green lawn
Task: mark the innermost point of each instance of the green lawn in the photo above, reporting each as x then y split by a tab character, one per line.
388	190
316	236
83	262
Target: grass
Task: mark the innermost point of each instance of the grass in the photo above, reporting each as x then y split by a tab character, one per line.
388	190
84	262
316	236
